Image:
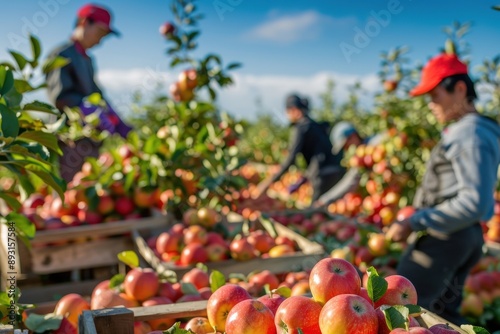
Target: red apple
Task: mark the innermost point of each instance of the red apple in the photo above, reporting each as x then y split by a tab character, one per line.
166	290
405	213
346	314
124	205
66	327
215	238
167	29
272	302
298	312
400	291
106	205
301	288
168	242
34	201
250	317
217	252
197	277
262	241
199	325
222	301
242	250
195	234
331	277
378	244
141	284
190	217
264	277
192	254
207	217
188	79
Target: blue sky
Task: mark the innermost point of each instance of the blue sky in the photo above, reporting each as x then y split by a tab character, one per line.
284	45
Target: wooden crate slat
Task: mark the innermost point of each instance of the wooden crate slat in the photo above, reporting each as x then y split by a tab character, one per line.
97	253
181	310
428	319
48	258
105	229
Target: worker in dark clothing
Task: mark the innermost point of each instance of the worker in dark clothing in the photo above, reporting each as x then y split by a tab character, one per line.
311	140
456	193
70	85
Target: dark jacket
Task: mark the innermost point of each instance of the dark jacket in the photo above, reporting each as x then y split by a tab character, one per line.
311	140
68	85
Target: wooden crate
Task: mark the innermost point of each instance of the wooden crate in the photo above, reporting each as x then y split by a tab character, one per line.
310	253
71	248
121	320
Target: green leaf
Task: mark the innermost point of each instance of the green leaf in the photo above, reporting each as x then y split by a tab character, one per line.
54	63
116	280
6	80
11	201
41	107
42	323
469	329
35	48
217	279
9	122
300	331
19	58
130	258
176	329
414	310
4	298
233	66
377	286
283	291
52	181
23	86
46	139
24	226
189	289
396	316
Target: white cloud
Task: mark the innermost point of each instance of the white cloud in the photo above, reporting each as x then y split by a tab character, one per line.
239	99
291	28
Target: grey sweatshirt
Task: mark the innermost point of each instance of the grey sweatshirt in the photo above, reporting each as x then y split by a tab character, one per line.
460	178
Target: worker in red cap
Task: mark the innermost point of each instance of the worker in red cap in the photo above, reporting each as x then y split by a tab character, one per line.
71	85
456	193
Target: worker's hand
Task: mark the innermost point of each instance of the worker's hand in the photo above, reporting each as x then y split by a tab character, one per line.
318	204
399	231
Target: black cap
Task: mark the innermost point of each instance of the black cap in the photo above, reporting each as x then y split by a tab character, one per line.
294	100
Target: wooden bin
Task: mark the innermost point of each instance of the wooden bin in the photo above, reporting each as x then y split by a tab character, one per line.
121	320
310	253
87	246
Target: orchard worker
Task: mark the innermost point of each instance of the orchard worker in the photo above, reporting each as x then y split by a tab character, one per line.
456	193
70	85
311	140
343	136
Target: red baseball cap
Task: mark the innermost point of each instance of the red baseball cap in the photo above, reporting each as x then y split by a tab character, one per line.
436	70
97	14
